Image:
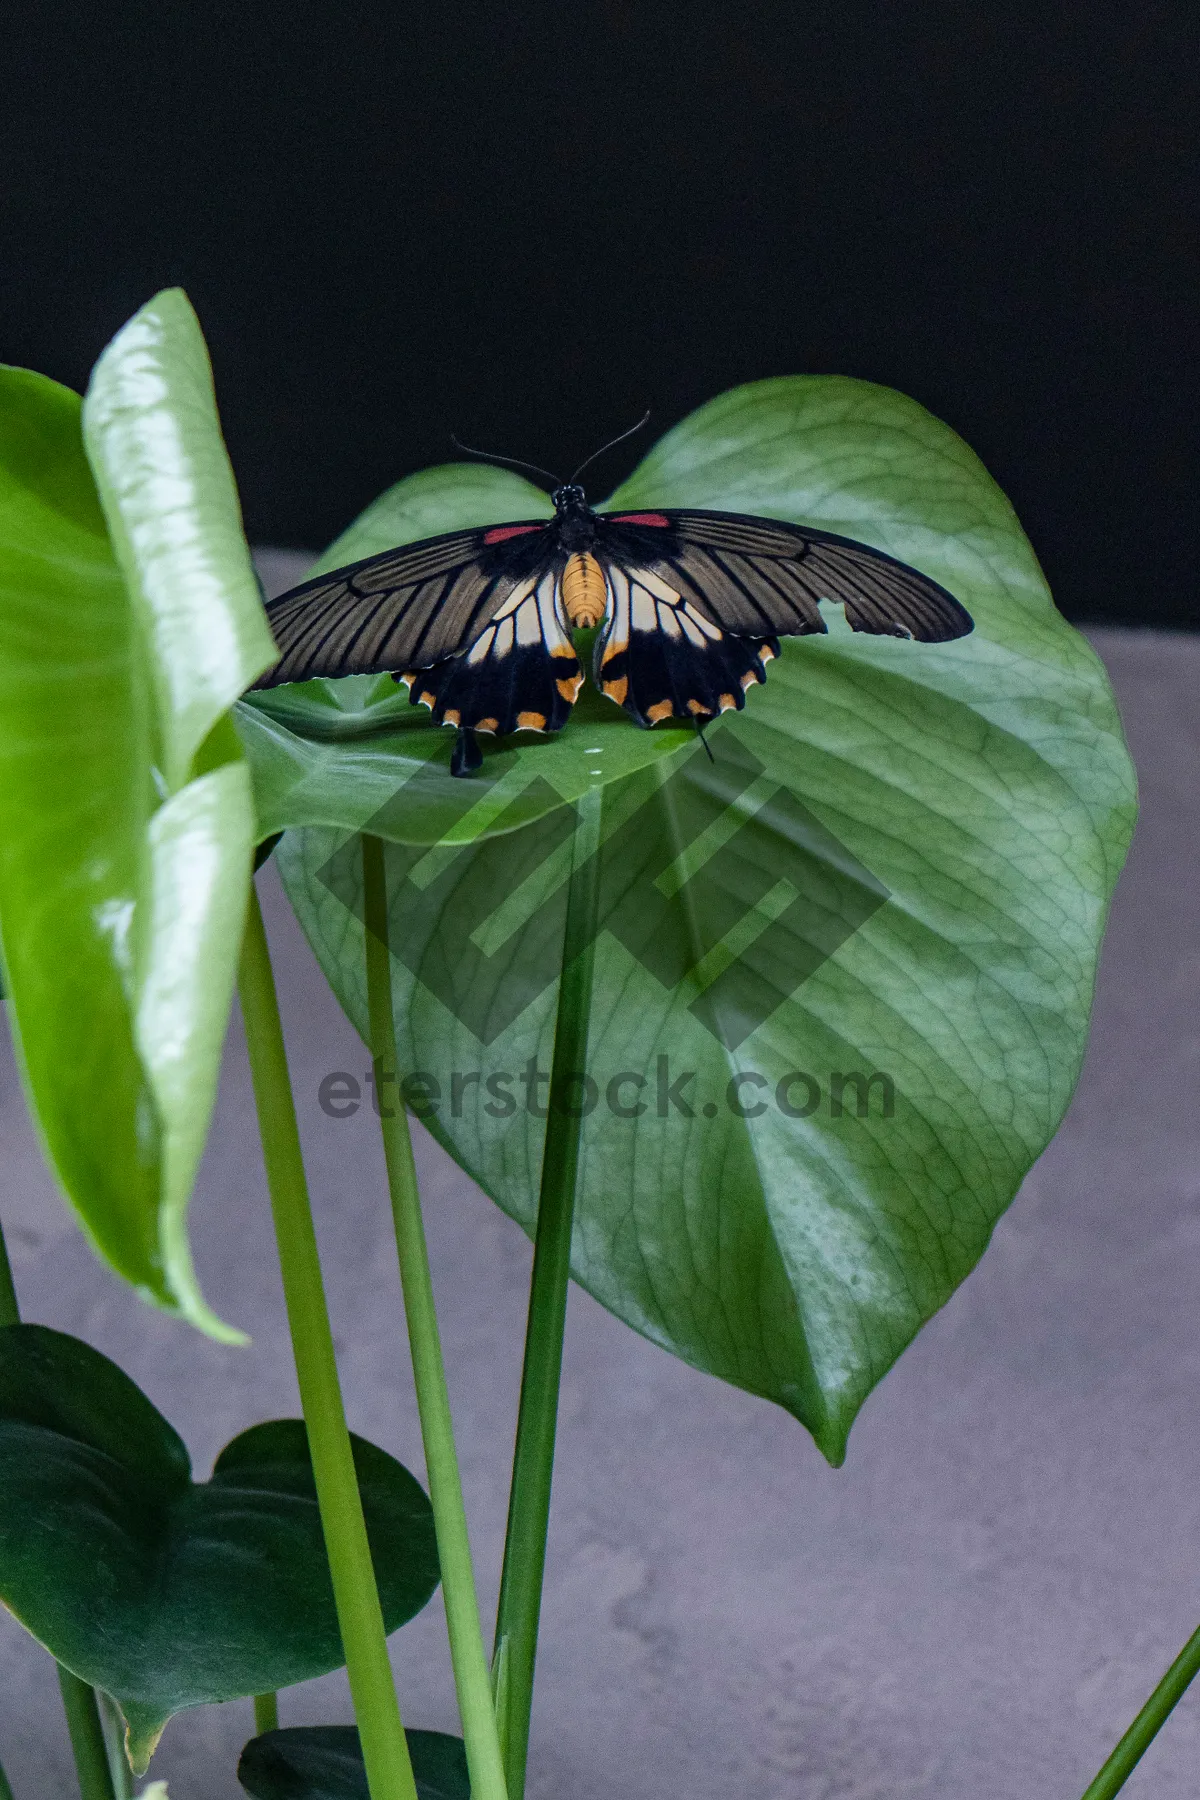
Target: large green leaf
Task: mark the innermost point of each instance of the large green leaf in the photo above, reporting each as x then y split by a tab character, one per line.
126	817
165	1592
898	867
324	1762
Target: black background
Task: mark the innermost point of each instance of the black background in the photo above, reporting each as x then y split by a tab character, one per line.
525	222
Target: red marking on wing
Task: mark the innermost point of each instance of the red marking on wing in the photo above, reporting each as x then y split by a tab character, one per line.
498	533
641	518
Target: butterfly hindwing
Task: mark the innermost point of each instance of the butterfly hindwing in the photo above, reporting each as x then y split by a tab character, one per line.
519	674
660	656
406	608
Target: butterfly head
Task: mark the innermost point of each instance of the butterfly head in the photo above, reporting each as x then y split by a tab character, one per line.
569	498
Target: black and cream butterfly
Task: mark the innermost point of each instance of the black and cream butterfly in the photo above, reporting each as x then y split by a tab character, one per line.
690	606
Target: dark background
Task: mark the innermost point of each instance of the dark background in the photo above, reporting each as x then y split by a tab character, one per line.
525	222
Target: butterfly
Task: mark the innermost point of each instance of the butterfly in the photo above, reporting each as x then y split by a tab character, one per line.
689	604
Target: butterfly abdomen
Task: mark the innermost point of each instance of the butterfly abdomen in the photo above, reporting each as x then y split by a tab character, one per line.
584	590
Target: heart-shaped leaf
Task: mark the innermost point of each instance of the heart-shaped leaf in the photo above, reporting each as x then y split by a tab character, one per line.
844	974
126	820
324	1762
165	1592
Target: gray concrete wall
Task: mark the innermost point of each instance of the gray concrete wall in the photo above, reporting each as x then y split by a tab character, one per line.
974	1606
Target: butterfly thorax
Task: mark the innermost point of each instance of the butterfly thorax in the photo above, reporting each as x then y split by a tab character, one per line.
574	519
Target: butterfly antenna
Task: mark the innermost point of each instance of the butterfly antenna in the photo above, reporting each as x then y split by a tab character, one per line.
512	461
610	444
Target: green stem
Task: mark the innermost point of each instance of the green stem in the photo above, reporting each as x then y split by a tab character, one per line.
10	1312
87	1737
266	1713
1145	1727
384	1749
114	1742
533	1459
467	1653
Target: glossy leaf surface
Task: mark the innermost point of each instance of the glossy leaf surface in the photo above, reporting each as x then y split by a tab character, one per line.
877	914
165	1592
125	805
324	1762
152	434
75	806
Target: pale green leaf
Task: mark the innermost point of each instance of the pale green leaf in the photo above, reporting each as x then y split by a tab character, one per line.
152	434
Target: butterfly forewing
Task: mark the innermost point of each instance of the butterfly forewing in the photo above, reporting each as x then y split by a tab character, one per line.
762	577
408	607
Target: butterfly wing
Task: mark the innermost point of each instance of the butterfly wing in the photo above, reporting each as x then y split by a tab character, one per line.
661	656
698	599
407	608
519	673
765	577
470	622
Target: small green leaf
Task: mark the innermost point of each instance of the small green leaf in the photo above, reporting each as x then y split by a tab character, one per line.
125	805
324	1762
164	1592
882	905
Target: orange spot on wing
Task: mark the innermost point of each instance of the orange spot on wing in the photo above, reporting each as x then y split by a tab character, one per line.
570	689
617	690
491	725
452	716
727	703
531	721
662	709
694	706
428	699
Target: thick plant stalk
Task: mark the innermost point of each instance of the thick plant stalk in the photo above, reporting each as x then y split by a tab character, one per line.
467	1653
10	1312
384	1749
87	1737
114	1742
79	1700
533	1460
1149	1722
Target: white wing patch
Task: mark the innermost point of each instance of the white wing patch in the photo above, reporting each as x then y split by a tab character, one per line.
530	615
640	600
